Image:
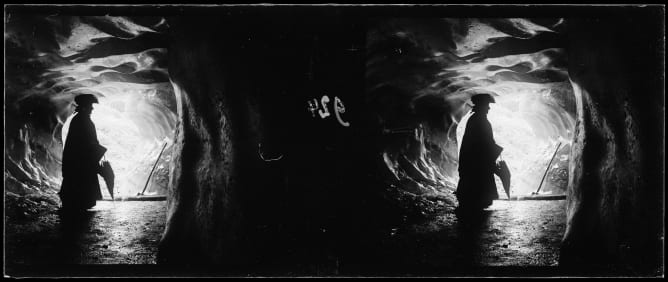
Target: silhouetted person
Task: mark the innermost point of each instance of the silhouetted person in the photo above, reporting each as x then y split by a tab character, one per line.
80	188
477	159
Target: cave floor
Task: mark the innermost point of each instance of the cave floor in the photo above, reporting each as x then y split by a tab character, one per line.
110	233
511	238
509	235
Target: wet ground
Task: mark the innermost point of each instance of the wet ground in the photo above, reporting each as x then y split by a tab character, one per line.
505	240
509	233
110	233
510	238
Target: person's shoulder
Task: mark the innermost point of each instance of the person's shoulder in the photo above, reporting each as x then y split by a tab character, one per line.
79	116
476	117
79	119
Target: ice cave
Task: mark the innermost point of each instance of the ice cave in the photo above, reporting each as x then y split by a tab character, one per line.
318	126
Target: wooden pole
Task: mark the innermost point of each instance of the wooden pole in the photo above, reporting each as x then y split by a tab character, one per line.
548	168
154	165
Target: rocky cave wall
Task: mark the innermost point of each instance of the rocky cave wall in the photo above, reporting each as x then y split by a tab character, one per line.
251	162
615	194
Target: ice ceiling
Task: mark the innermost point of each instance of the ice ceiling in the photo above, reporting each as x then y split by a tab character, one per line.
425	71
122	60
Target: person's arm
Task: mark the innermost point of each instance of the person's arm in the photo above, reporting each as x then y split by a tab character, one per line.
491	144
93	147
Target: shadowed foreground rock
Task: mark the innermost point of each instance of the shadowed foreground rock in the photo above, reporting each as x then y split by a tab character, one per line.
615	189
252	167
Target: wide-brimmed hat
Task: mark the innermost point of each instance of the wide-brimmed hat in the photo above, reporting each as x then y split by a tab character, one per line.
85	99
480	99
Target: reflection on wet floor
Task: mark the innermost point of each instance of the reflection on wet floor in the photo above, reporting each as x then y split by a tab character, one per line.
508	234
519	233
112	233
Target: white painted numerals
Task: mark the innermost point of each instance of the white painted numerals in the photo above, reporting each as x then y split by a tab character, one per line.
323	111
312	106
338	110
324	100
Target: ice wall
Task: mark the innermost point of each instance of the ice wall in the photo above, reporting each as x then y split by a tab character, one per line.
422	72
52	57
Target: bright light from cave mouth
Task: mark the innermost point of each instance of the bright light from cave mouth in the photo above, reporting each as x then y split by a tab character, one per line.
127	145
525	151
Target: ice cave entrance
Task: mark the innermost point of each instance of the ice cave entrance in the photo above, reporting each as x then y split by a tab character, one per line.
134	128
531	125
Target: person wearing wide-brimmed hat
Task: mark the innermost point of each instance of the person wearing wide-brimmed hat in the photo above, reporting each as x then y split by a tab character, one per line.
477	159
80	188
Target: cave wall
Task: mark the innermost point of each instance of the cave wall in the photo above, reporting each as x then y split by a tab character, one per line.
32	149
54	53
615	194
421	72
250	159
202	202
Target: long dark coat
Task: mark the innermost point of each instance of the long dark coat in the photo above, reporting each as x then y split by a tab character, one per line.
80	188
477	163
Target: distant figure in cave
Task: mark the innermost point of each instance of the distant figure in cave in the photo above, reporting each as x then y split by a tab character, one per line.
80	188
477	159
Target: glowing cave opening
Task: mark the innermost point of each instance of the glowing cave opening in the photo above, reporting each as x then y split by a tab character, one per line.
134	129
530	128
